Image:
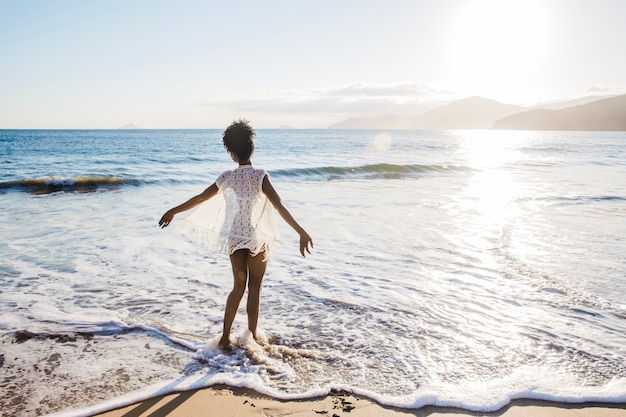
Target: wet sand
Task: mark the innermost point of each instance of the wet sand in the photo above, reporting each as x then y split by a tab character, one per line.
223	401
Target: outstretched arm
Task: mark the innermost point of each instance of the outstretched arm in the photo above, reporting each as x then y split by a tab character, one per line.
306	243
189	204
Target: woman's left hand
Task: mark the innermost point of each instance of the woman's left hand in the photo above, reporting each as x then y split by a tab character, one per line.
306	243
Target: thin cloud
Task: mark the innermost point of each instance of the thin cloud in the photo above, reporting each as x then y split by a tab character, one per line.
606	90
390	90
354	99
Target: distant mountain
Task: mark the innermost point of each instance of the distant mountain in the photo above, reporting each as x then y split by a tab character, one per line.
129	126
561	104
586	113
384	121
469	113
604	114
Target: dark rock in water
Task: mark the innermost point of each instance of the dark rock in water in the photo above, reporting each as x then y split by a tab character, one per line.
22	336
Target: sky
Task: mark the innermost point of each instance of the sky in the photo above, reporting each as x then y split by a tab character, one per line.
75	64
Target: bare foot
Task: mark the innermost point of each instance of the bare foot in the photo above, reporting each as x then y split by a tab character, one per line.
224	343
265	339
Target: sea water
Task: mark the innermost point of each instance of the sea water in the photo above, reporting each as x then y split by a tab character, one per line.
457	268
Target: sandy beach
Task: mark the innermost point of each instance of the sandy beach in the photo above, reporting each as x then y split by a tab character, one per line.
235	402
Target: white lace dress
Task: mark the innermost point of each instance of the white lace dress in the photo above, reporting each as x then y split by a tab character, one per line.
244	216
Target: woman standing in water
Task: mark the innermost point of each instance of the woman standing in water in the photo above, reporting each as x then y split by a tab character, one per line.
249	232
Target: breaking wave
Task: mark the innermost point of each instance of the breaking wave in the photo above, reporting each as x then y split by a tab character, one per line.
88	184
374	171
73	185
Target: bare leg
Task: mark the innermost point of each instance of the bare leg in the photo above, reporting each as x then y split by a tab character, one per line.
256	271
239	263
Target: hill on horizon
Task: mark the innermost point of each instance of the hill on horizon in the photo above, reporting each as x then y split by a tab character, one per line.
129	126
607	114
597	113
383	121
468	113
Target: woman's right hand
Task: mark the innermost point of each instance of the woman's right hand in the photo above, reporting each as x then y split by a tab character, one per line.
166	219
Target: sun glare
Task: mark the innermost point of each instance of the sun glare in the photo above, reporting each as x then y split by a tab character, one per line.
494	43
491	148
492	187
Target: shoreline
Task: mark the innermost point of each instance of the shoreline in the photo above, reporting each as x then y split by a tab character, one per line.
227	401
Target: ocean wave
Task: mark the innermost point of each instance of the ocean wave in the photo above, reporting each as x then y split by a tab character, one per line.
581	199
50	185
373	171
591	199
87	331
239	368
183	361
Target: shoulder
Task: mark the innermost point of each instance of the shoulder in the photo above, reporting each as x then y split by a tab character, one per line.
259	175
260	172
226	174
223	177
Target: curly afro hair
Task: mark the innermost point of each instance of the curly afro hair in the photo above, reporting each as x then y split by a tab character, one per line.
239	139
